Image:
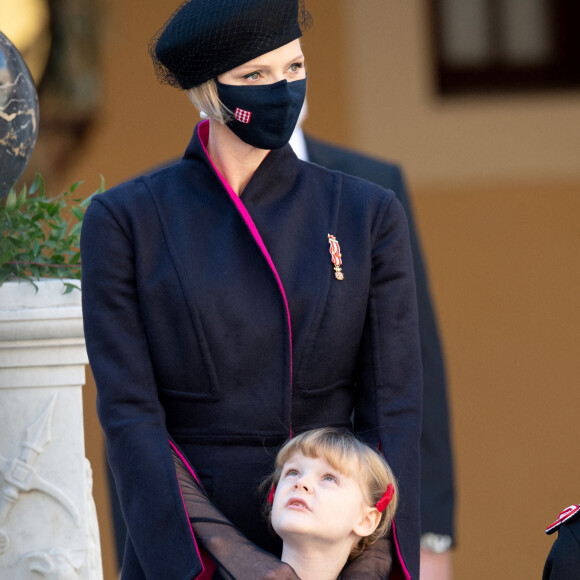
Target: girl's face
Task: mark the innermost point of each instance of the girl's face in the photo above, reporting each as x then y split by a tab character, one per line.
286	62
316	502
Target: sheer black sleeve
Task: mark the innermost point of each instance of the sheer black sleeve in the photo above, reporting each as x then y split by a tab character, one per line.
373	564
235	556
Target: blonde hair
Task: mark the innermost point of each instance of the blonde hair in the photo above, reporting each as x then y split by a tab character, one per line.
351	457
205	98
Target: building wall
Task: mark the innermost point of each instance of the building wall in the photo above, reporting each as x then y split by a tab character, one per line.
496	190
385	76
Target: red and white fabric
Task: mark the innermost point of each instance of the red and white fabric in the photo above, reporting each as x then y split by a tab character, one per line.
243	116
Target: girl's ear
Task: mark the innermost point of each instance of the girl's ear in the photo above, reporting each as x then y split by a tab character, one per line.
368	523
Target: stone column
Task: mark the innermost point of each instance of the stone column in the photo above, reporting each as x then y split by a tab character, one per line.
48	522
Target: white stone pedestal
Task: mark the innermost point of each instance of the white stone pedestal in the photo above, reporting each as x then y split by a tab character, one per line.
48	523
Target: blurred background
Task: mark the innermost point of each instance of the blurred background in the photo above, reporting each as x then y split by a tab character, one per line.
479	100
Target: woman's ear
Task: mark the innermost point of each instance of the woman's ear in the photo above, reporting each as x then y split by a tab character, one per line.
368	523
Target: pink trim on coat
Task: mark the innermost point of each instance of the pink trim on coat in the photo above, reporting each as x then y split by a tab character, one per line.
203	134
186	463
209	567
203	567
401	561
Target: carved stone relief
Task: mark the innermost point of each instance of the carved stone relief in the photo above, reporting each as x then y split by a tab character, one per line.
20	475
38	512
47	516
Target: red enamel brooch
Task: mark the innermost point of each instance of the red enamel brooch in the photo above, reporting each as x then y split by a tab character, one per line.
336	257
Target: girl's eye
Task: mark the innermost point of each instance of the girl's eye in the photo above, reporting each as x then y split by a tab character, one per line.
296	66
252	76
329	477
291	473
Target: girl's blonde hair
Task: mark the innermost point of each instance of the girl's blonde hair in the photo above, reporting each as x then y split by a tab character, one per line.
205	98
351	457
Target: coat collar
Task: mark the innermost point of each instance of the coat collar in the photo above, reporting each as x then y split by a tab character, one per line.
274	178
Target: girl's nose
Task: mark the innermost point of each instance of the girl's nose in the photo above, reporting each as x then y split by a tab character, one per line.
303	485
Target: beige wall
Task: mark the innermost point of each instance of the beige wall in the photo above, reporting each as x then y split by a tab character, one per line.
496	183
505	271
388	72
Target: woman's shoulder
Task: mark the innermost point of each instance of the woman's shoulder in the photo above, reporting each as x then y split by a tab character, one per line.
130	204
366	204
136	191
351	188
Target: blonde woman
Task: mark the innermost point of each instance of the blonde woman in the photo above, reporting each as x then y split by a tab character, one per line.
242	296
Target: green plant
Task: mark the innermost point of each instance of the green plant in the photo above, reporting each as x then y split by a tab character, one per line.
41	235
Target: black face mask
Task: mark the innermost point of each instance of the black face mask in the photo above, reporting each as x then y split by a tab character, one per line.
265	115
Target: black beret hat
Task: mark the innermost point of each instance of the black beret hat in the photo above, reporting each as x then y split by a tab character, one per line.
206	38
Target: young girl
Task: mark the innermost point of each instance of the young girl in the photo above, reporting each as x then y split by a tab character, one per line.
331	497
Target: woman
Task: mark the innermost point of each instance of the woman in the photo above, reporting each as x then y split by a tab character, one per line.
215	314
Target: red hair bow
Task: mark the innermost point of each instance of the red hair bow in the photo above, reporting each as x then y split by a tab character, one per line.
271	496
386	499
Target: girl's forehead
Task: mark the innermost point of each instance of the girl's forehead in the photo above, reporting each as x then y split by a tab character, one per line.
344	466
298	456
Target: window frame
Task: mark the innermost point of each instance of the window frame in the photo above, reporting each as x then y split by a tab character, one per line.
562	71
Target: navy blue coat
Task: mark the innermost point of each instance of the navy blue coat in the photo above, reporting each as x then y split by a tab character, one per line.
218	321
437	481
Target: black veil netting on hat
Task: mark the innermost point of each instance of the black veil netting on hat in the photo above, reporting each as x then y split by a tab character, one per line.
205	38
